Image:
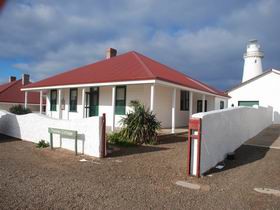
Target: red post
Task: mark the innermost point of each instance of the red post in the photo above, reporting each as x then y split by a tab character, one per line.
194	125
104	143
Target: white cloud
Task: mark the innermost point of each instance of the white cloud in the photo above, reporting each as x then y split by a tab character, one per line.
203	39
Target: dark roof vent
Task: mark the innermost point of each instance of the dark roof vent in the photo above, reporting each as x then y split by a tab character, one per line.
12	79
111	52
25	79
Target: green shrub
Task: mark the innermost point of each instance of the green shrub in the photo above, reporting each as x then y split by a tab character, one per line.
140	126
42	144
19	110
117	139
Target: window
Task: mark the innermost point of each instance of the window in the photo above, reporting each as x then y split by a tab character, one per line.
53	100
199	106
73	99
120	100
222	104
184	100
248	103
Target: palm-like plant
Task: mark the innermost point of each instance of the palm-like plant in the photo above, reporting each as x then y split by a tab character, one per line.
141	125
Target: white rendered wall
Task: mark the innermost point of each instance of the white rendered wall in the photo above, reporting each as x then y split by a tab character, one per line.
133	92
218	101
211	102
264	89
223	131
34	127
163	107
162	104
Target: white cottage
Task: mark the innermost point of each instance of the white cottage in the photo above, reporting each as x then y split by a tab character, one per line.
109	86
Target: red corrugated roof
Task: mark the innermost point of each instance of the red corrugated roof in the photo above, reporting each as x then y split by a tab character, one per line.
11	93
126	67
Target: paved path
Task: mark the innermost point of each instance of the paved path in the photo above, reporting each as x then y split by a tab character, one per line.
268	138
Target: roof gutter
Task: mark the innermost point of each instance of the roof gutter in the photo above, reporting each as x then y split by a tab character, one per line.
135	82
189	89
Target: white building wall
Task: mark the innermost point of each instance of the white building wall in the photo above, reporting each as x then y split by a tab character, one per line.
142	93
182	117
163	105
133	92
264	89
211	102
217	103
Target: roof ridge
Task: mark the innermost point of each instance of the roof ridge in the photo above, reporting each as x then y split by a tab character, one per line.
209	88
251	80
204	85
79	67
143	63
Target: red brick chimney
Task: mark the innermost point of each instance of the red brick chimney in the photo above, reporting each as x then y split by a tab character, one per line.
25	79
111	52
12	79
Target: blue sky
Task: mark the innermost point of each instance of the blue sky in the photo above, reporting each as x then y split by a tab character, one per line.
204	39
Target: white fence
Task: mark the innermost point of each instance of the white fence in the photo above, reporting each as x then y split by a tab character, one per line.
223	131
34	127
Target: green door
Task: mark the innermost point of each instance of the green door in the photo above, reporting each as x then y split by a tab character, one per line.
94	102
248	103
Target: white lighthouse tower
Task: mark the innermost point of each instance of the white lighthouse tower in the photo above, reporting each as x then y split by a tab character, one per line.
252	61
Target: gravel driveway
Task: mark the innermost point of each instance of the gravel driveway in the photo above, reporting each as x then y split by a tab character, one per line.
133	178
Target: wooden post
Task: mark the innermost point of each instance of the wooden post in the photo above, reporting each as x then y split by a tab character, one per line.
51	140
191	104
113	107
104	143
76	144
41	101
152	100
59	104
25	99
83	101
173	110
203	103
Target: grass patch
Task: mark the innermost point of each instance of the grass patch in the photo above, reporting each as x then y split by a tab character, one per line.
117	139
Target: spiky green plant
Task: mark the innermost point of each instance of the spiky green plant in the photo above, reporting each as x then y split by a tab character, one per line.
141	125
19	110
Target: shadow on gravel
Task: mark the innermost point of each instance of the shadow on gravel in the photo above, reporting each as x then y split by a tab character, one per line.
172	139
243	155
247	154
125	151
4	138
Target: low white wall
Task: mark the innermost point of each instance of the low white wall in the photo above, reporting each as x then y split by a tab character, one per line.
34	127
223	131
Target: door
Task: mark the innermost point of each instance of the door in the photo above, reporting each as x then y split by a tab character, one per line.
199	106
94	102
